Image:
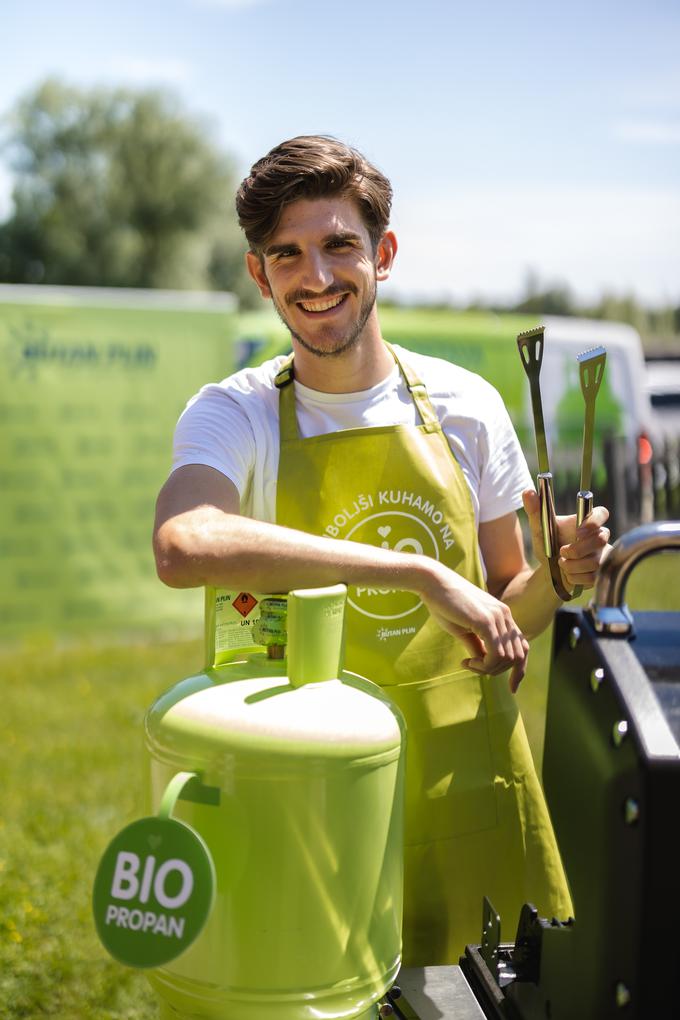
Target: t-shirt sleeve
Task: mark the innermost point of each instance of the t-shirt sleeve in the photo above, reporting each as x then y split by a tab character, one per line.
504	473
215	431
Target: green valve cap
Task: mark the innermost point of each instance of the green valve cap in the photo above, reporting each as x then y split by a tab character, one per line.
316	618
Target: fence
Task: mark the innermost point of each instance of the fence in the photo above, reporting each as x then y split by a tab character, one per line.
635	493
664	481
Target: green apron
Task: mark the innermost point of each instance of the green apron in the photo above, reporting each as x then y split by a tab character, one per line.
476	819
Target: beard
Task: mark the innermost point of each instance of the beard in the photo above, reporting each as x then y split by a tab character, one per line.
342	344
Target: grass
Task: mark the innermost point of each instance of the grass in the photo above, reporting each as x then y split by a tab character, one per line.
71	749
72	762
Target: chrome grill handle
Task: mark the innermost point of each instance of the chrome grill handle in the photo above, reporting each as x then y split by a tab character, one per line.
607	607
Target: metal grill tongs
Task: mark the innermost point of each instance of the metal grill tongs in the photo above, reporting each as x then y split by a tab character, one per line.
530	345
591	370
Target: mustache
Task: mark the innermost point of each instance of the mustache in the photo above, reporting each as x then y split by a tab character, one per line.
309	295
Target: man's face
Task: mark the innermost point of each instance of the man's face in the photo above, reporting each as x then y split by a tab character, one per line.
320	270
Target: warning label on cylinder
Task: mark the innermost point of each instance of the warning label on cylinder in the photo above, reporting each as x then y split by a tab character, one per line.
236	614
244	603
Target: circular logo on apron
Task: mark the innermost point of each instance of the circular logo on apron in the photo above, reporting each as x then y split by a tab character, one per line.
400	532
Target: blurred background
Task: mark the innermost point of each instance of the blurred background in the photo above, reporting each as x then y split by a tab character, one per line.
534	153
532	148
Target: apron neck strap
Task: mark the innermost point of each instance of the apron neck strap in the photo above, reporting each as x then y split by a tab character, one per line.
288	419
288	426
285	373
417	390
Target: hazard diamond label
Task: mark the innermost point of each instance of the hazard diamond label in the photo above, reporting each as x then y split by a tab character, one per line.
244	603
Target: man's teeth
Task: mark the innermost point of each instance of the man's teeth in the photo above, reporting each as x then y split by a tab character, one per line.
321	306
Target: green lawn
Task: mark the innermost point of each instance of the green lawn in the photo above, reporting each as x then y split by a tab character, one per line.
71	749
72	762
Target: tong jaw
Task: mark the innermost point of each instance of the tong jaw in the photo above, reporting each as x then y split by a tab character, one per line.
591	370
530	344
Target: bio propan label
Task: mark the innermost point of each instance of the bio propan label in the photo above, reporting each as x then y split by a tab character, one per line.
153	892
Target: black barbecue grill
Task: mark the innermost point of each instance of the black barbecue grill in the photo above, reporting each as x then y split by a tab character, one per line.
612	779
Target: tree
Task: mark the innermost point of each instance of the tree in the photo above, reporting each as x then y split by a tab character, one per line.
541	299
117	188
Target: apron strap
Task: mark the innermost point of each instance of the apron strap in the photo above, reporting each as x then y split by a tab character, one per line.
285	373
288	426
418	393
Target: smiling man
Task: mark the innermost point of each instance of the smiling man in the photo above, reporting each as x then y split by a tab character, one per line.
336	319
400	475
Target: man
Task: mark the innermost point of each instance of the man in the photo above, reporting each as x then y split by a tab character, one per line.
399	475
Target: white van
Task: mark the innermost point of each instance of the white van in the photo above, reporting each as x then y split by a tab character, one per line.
662	383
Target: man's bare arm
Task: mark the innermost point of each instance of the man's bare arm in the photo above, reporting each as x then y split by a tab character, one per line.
200	538
528	591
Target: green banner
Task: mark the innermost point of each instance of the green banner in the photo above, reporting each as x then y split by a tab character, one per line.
91	385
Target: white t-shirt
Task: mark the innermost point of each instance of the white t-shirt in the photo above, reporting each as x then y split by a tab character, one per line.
233	426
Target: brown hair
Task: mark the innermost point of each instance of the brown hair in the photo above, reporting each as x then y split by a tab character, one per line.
310	166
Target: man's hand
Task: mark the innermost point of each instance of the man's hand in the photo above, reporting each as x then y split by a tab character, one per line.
485	625
581	549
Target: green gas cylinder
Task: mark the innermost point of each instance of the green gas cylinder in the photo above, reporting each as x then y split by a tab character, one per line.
301	765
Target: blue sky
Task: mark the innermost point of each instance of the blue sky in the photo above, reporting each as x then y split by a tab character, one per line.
517	136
